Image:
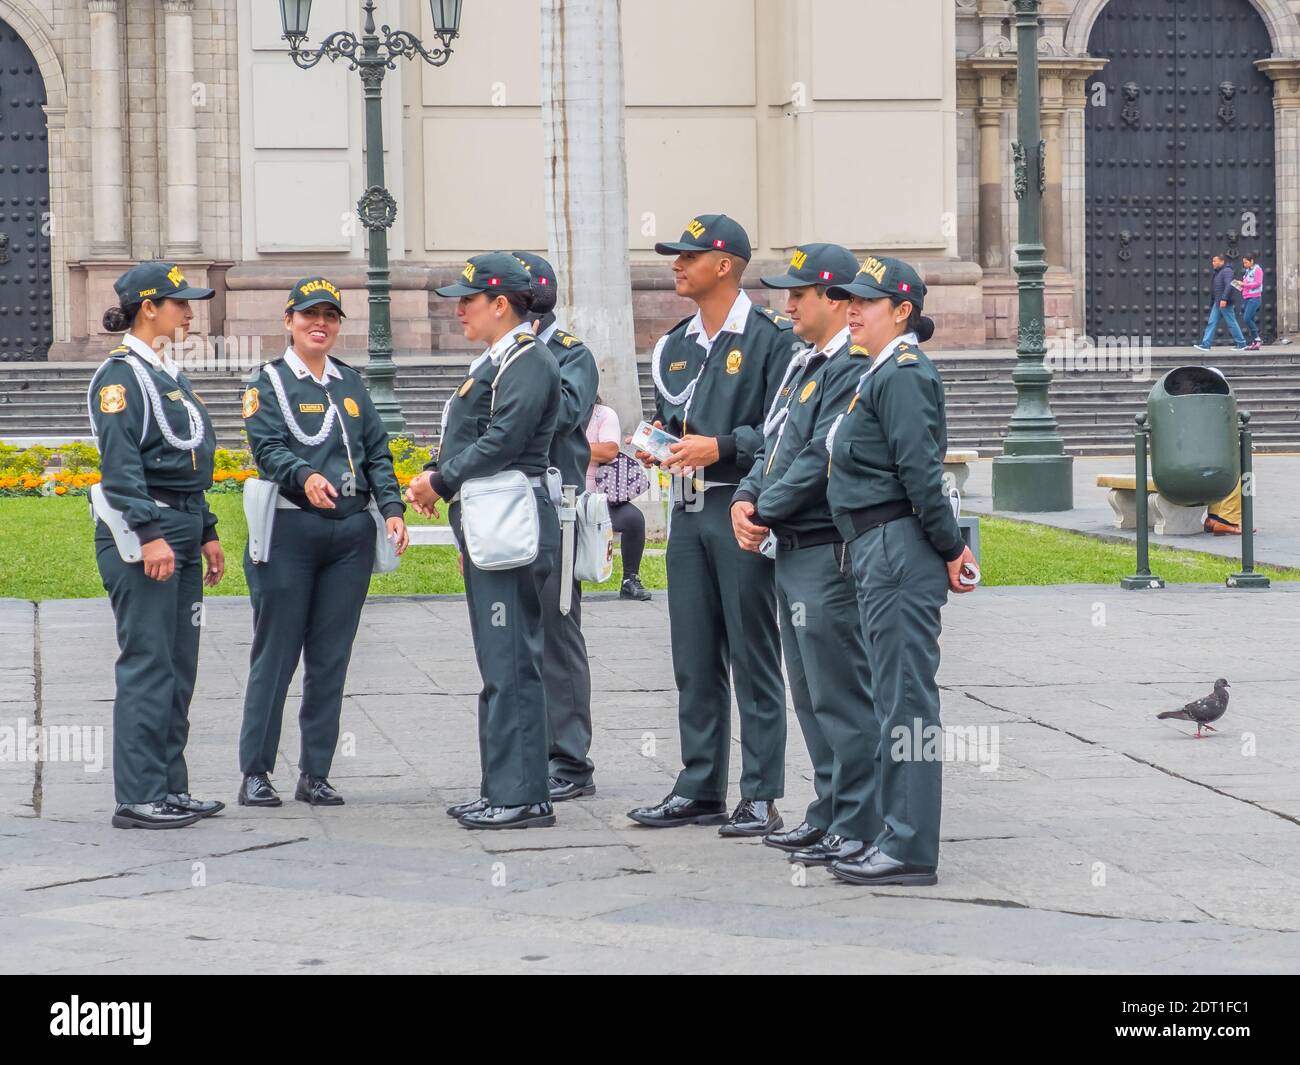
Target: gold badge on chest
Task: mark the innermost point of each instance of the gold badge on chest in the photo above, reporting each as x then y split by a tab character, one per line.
463	391
734	358
350	405
112	399
251	403
808	390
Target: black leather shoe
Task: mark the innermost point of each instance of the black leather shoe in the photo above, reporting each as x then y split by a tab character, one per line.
256	790
183	800
151	815
873	867
796	839
829	849
562	789
317	791
753	817
632	588
474	806
538	815
677	810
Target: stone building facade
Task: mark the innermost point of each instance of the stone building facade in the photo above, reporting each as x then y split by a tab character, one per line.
180	129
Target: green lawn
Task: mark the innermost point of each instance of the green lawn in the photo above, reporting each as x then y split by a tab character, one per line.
47	552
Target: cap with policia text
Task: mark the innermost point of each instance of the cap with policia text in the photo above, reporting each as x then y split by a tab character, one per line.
313	290
816	264
493	271
544	281
883	277
710	232
156	281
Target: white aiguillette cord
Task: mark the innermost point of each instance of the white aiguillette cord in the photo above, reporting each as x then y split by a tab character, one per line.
331	416
150	390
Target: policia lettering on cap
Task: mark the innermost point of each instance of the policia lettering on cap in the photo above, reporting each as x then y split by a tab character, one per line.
153	535
502	418
318	438
716	374
566	670
885	487
784	498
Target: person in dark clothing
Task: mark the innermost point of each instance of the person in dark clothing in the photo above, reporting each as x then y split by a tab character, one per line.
1221	307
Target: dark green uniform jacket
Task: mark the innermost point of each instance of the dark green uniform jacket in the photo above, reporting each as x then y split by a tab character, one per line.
887	452
733	391
517	434
353	456
788	481
132	463
579	381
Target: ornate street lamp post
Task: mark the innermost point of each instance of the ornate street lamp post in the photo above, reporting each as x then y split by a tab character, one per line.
1033	473
373	55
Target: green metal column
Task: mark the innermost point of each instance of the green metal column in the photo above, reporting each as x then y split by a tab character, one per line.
1033	473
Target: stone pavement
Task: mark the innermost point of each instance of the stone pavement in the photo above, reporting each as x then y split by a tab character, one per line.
1102	840
1277	508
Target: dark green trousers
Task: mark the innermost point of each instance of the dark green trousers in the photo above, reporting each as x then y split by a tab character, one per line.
566	674
158	624
902	587
722	615
505	619
307	604
830	683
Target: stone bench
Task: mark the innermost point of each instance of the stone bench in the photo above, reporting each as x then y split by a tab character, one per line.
1165	517
957	462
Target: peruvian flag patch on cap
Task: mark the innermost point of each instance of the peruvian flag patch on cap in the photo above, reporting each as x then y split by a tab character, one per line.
903	286
494	280
825	275
719	243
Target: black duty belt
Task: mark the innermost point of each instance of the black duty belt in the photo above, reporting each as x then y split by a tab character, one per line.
170	498
796	541
880	514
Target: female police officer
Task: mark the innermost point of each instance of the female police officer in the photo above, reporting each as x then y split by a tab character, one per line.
156	446
314	432
886	495
502	417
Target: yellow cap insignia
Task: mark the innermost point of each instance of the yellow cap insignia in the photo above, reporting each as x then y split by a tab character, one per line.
464	389
175	276
808	390
468	272
695	228
320	285
350	405
852	403
311	408
112	399
733	361
250	403
874	268
798	259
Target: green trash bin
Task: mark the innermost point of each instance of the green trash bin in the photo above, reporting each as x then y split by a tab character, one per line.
1195	450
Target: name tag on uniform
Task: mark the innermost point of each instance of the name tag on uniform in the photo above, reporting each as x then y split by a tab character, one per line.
311	408
173	396
677	366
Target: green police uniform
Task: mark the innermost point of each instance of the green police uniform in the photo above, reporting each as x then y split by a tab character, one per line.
821	635
721	601
566	669
307	597
886	494
156	446
481	437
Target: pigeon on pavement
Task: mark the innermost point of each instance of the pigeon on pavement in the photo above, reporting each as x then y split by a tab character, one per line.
1203	711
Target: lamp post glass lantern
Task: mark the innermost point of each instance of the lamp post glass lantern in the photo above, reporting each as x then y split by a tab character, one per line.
1033	474
373	54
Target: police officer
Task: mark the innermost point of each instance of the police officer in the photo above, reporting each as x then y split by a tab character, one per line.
715	376
315	432
886	494
566	671
156	446
502	417
783	499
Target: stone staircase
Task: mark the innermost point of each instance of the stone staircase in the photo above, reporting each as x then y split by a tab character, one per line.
1093	409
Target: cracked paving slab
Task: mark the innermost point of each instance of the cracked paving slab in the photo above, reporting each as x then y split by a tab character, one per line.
1097	838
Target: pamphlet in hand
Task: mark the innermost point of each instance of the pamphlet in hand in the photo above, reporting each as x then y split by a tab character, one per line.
654	441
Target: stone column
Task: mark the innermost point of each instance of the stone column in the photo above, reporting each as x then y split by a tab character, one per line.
994	162
181	148
1053	202
108	169
1285	73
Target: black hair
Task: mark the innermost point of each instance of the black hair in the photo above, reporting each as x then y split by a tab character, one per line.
520	302
1253	256
119	319
917	322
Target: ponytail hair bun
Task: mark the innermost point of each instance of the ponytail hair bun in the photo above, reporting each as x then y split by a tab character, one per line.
119	319
924	328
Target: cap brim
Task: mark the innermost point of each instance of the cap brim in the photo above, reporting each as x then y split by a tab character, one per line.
192	294
786	281
675	246
320	299
457	289
854	288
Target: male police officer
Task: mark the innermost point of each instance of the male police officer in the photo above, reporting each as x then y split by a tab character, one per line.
715	375
566	672
821	635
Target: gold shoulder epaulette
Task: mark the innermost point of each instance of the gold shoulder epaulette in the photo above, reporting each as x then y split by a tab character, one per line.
567	339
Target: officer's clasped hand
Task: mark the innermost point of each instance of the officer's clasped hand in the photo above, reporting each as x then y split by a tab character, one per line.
319	492
748	535
159	560
963	572
422	497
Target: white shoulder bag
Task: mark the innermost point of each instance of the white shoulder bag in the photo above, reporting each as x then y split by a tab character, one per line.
594	556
